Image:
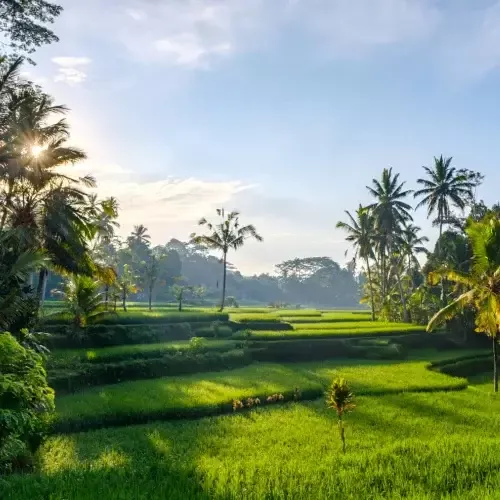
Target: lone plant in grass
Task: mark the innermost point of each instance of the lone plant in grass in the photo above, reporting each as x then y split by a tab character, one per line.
340	398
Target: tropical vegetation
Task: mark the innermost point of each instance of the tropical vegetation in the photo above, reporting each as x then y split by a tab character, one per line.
224	385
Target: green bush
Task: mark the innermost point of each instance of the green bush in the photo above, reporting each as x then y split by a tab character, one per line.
26	403
92	374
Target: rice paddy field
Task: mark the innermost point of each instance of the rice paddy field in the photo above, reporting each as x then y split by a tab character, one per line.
414	432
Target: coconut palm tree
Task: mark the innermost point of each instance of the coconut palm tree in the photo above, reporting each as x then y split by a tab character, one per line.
482	284
445	187
411	245
38	197
140	235
390	212
82	298
361	233
224	235
15	266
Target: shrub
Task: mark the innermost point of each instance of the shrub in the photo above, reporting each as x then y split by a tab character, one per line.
26	403
92	374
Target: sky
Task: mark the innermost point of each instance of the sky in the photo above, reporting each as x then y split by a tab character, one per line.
281	109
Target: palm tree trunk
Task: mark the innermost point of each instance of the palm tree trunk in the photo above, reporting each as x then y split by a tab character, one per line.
42	286
224	283
6	203
150	298
106	297
406	317
371	288
180	303
124	299
443	298
495	361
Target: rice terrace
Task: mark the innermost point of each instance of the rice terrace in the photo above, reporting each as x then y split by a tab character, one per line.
156	345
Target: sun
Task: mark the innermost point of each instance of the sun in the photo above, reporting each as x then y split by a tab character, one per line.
37	150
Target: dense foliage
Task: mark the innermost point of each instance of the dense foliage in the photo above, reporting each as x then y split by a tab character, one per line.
26	403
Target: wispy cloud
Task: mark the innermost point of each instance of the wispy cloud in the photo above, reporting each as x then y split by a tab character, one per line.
472	49
71	69
347	27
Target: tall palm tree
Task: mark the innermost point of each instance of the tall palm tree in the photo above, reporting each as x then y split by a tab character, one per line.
482	284
140	235
361	233
445	187
411	244
224	235
390	212
38	197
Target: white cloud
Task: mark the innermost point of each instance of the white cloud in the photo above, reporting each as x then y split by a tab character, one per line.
347	27
136	14
70	69
189	49
71	76
71	62
191	33
472	49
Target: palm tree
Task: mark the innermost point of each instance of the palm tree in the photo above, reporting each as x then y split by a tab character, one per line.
140	235
46	204
225	235
15	266
361	233
83	300
482	284
444	187
103	215
411	244
390	213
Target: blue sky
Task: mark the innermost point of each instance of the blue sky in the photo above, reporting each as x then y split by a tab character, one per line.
283	109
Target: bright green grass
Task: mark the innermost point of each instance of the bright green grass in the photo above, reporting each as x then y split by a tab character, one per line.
209	390
417	446
264	317
357	325
66	356
297	312
339	333
356	318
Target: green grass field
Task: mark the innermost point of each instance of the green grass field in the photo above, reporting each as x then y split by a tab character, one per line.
414	433
332	332
420	446
207	391
105	354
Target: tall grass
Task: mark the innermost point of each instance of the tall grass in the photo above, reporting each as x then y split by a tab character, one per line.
419	446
